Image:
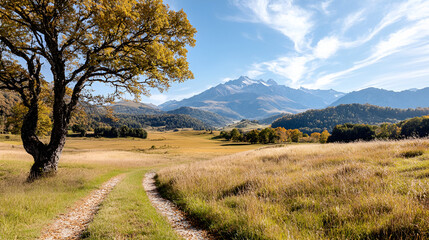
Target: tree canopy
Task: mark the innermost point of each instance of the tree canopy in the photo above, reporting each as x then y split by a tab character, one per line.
131	45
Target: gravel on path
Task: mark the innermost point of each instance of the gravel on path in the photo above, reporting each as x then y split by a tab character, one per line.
175	216
72	224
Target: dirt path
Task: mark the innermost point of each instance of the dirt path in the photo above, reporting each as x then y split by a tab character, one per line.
176	217
73	223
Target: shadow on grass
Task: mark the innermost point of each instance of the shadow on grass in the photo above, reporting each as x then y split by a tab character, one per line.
235	144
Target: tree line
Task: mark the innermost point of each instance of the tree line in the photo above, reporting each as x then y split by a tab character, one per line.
326	119
272	135
417	127
110	132
166	121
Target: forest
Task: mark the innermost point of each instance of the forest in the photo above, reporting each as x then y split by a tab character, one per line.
326	119
417	127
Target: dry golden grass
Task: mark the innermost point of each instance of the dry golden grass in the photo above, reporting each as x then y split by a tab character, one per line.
169	143
309	191
87	162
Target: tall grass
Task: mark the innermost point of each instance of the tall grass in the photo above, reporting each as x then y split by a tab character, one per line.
333	191
86	163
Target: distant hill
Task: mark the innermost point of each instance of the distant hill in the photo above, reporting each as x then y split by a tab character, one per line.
7	101
131	107
212	119
137	108
246	98
245	125
164	121
318	120
413	98
269	120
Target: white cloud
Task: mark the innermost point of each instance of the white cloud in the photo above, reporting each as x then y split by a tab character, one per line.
281	15
326	47
396	42
255	72
412	10
352	19
400	80
292	68
325	5
224	80
402	27
158	98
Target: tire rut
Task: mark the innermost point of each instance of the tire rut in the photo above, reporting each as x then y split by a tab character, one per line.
72	224
175	217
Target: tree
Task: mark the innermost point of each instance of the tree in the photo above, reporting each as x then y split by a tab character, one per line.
235	135
352	132
252	136
15	121
268	135
296	135
130	45
323	138
315	136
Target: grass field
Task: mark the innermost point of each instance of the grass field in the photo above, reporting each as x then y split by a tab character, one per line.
375	190
85	164
238	191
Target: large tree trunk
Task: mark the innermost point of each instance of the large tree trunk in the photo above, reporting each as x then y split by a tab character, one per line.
45	163
46	156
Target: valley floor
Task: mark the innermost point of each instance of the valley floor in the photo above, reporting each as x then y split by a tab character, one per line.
236	191
364	190
86	163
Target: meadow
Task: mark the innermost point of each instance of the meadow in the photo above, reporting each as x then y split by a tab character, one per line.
363	190
25	208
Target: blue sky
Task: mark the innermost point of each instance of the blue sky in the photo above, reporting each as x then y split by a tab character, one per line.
340	44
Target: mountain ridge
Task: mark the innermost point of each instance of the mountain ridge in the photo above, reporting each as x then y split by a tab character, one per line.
254	99
411	98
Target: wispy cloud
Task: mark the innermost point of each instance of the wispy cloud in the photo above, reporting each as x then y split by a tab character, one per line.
417	77
396	42
352	19
281	15
402	27
325	5
254	37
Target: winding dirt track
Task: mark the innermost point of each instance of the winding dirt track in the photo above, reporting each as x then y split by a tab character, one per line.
175	217
72	224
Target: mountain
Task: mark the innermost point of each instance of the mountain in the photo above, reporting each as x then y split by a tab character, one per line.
212	119
412	98
318	120
255	99
131	107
